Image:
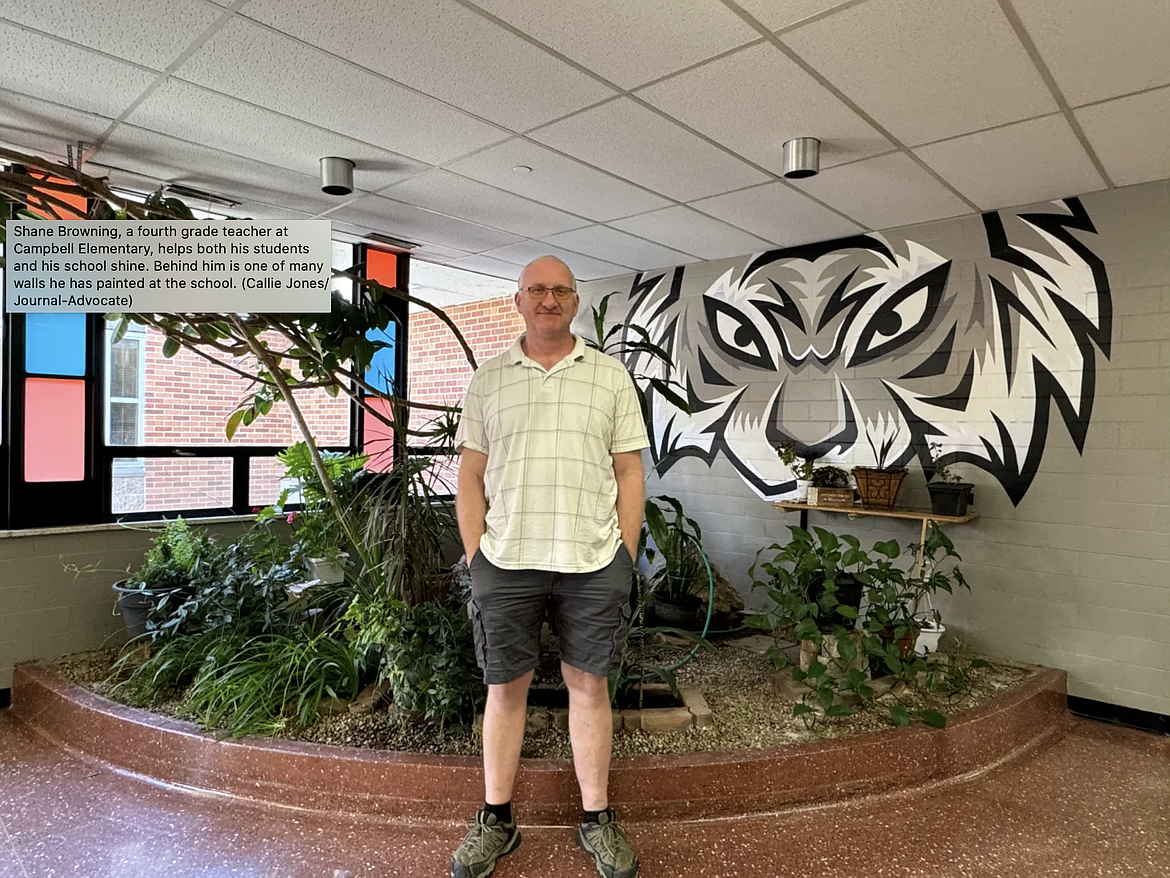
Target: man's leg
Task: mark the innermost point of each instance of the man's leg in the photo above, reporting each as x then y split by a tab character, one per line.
504	719
593	613
590	733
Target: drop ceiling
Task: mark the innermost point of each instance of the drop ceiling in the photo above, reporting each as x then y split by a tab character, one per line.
619	135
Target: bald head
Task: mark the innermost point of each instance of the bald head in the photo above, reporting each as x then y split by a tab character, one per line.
547	270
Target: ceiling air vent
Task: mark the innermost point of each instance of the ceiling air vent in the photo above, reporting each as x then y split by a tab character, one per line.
390	243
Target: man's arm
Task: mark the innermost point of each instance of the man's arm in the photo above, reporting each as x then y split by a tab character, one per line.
627	470
471	500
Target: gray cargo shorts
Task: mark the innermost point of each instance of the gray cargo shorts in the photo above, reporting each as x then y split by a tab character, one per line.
591	612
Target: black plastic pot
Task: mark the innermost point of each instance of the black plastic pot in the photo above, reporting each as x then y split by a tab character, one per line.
848	594
135	605
677	612
949	498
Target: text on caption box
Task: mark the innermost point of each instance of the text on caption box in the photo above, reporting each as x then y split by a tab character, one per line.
255	266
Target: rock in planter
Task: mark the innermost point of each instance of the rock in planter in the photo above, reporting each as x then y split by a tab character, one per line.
828	654
728	600
370	699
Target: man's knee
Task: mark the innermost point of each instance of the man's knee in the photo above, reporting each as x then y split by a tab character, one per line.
511	693
582	682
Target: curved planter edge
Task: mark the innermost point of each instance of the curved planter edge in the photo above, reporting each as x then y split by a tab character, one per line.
435	788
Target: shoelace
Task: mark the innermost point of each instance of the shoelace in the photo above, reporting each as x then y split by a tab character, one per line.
483	832
611	836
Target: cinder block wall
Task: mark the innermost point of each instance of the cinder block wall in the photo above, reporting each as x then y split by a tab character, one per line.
48	611
1077	575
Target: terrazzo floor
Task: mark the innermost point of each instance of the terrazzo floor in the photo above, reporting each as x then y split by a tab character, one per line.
1097	803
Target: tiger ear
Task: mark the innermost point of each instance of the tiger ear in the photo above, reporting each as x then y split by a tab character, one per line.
1046	298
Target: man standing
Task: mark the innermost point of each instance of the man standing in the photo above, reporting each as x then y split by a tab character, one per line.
550	510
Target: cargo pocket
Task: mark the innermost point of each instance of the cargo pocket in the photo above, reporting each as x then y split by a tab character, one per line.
477	633
625	613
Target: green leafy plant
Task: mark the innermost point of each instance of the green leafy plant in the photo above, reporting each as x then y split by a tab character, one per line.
829	477
676	542
618	341
426	653
890	624
800	467
272	681
243	590
941	472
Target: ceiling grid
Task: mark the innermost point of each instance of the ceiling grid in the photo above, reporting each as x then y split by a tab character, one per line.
653	130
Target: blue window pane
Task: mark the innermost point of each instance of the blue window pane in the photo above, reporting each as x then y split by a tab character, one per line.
54	344
381	372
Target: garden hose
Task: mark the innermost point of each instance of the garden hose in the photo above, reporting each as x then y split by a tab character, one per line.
706	624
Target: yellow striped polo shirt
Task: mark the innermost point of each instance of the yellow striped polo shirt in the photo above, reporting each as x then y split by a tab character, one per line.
549	437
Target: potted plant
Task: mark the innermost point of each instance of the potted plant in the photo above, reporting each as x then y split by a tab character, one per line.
671	581
949	494
800	467
934	551
178	557
879	486
830	487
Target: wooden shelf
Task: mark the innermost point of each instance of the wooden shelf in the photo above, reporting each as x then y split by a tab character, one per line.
922	515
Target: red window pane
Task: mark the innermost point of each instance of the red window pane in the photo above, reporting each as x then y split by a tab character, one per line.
379	438
54	430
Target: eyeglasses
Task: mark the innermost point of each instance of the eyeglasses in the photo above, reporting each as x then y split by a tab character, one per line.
538	292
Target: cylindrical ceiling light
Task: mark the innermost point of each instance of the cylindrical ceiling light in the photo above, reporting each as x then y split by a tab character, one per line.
802	157
336	175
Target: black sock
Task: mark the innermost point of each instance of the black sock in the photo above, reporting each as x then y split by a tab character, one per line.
592	816
503	812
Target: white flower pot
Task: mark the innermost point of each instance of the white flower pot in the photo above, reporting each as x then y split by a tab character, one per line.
802	486
928	639
326	570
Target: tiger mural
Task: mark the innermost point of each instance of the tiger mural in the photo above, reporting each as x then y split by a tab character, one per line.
875	346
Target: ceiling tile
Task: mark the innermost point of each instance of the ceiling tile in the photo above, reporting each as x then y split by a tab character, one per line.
926	71
443	49
556	180
259	65
583	267
775	100
1131	136
610	36
1100	50
471	200
884	192
240	179
50	70
636	143
143	31
444	285
1017	164
610	244
490	266
406	221
690	231
437	253
200	116
777	16
778	214
32	125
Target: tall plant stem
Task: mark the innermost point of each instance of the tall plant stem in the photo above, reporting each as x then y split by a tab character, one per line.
264	356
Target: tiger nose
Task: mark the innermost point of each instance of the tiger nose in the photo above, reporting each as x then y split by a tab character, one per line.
808	414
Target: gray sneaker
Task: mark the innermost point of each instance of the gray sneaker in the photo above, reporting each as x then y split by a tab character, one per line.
609	847
488	840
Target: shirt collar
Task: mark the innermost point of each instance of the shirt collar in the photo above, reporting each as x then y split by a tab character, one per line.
516	355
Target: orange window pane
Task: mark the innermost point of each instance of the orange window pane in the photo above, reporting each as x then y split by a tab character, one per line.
382	267
54	430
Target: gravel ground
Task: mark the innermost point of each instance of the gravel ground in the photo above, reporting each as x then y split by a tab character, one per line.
735	681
